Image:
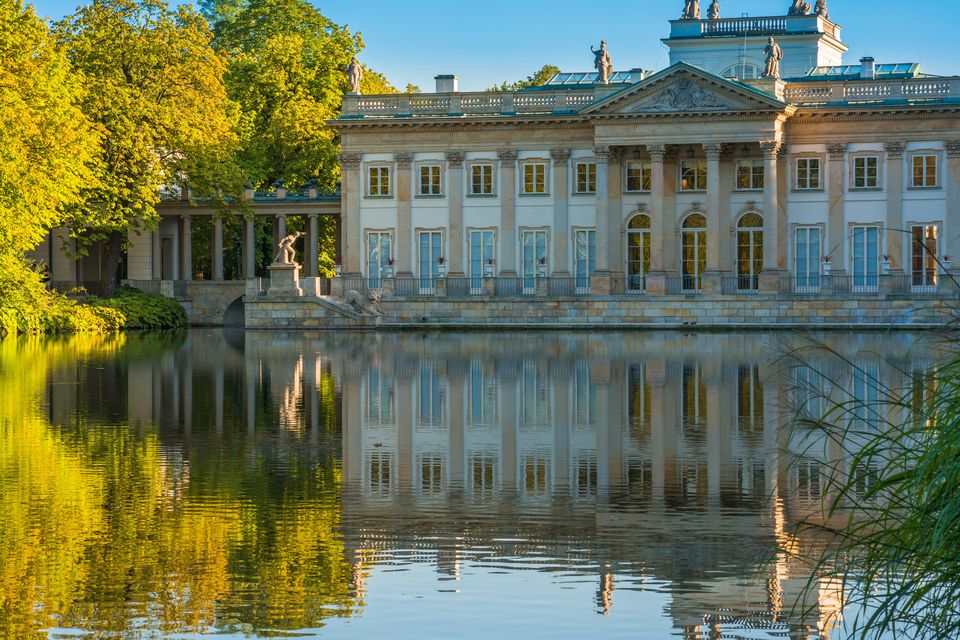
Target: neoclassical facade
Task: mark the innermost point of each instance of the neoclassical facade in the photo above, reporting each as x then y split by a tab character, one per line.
701	177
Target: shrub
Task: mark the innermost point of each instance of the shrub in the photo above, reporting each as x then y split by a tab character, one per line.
141	310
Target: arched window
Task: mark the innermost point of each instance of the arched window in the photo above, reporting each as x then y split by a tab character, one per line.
749	251
638	253
694	251
743	71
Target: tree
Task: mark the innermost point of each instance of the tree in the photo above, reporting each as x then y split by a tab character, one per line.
155	91
538	79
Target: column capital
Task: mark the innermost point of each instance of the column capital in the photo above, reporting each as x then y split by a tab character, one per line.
894	149
603	153
404	159
455	159
560	156
185	217
953	148
350	160
837	150
713	150
657	152
507	157
770	148
313	216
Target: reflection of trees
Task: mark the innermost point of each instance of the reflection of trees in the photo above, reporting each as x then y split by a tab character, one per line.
109	530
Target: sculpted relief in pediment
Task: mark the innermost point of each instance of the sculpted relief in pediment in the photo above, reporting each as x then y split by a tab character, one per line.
682	95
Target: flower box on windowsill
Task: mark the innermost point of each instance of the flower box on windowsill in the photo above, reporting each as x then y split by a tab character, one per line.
488	271
442	271
827	266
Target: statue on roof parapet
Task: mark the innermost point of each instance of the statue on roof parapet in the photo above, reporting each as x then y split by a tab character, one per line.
774	55
691	10
799	8
355	75
603	62
821	9
713	12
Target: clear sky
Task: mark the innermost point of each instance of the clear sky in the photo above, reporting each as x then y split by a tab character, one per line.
485	43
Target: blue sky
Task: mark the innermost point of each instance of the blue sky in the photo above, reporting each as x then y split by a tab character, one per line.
487	42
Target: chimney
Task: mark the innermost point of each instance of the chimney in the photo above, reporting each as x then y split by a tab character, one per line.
869	71
636	75
447	84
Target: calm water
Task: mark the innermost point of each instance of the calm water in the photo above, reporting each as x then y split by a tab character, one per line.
421	486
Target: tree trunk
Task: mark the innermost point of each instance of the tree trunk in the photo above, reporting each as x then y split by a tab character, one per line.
112	266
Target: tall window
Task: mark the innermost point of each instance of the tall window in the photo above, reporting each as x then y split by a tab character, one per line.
481	180
694	251
750	175
379	253
806	258
925	174
534	245
585	241
430	180
693	175
430	252
638	253
749	252
534	178
586	177
808	174
866	172
639	177
866	258
482	251
378	182
926	250
379	398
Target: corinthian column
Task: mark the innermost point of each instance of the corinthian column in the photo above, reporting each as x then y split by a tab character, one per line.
508	212
561	213
774	229
713	151
895	237
602	209
659	230
351	235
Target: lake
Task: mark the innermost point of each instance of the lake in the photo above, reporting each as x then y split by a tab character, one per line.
437	485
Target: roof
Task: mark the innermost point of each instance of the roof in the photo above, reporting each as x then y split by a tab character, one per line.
586	78
895	71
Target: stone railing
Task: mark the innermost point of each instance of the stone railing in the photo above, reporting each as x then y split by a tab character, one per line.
873	91
752	26
741	26
461	104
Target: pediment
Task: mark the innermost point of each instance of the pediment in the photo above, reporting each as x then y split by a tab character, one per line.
684	89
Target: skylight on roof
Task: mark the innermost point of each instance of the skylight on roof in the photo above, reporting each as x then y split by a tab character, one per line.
586	78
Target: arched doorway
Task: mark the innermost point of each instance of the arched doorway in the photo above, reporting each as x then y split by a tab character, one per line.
694	251
638	253
749	251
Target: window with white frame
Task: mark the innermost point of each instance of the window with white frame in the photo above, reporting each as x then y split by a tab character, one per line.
925	253
808	174
639	177
750	175
925	171
481	180
378	181
866	172
586	177
693	175
430	180
534	178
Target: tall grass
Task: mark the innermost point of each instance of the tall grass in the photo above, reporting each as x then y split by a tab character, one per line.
893	505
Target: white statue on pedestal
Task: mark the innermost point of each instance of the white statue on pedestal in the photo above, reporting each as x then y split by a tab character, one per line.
287	254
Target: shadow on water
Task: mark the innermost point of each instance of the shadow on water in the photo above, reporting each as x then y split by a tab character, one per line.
334	485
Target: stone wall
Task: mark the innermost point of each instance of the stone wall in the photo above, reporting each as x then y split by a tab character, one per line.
208	302
293	312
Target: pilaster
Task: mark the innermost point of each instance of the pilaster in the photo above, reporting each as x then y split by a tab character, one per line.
713	151
836	187
313	247
455	243
896	236
617	236
508	212
952	179
656	282
561	212
774	226
351	234
403	243
217	248
602	217
249	247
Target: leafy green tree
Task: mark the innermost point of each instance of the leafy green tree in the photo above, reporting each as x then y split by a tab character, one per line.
538	79
154	88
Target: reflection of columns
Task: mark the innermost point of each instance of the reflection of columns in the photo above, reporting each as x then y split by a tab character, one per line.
712	152
218	397
313	247
217	248
186	383
404	240
714	425
603	435
456	450
602	212
405	409
249	247
186	248
561	212
837	211
895	238
508	212
655	371
156	263
616	417
351	236
455	244
508	435
952	174
352	426
658	225
774	233
561	436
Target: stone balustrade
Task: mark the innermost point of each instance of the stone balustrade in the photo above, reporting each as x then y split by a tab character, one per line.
872	91
464	104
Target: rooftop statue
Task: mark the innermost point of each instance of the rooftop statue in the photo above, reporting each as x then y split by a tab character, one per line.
691	10
355	75
821	9
603	62
774	55
287	254
713	12
799	8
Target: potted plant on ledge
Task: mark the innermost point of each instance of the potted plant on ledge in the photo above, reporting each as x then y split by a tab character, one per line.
542	267
337	270
488	267
441	267
886	264
945	263
827	265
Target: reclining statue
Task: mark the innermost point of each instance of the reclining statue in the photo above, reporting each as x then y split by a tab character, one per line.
369	305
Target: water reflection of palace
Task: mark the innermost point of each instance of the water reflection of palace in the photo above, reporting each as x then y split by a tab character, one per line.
640	459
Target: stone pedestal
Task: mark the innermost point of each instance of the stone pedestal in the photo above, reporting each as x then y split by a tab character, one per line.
284	280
